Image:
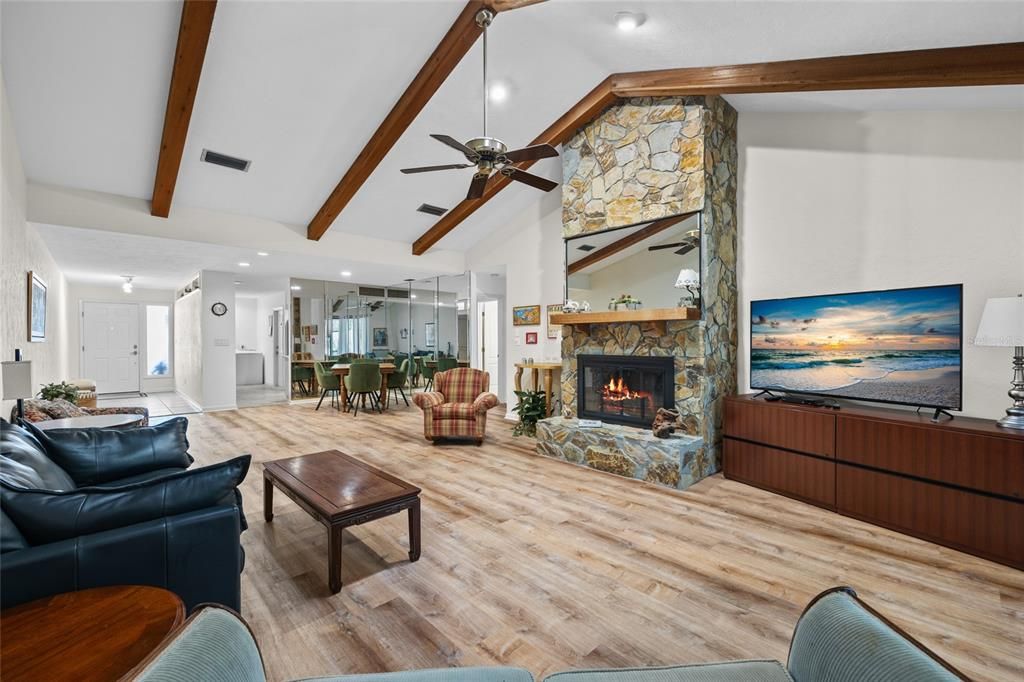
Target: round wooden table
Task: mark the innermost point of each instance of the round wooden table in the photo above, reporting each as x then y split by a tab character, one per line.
92	421
97	634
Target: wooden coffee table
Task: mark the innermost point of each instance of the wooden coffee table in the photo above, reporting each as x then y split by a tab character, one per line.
340	491
97	634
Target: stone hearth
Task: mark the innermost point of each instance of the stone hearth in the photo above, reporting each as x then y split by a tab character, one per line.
677	462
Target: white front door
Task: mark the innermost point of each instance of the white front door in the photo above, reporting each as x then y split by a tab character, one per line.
110	346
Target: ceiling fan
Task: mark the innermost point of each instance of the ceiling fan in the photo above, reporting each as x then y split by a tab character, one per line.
489	154
690	241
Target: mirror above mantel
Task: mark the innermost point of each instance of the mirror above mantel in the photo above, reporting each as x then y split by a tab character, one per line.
651	263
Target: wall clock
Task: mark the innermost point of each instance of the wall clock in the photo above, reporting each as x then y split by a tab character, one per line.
218	309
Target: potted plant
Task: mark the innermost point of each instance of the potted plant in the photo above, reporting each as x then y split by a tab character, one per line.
58	391
627	300
532	408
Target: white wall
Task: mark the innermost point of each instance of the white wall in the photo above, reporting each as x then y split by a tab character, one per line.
218	341
839	202
246	327
265	306
530	248
188	347
22	250
79	292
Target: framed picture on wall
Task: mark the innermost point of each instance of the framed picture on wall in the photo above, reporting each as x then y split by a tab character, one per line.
531	337
380	337
525	315
36	308
554	330
428	335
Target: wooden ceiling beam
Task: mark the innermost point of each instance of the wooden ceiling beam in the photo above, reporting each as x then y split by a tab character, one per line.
592	104
998	64
445	57
193	37
629	240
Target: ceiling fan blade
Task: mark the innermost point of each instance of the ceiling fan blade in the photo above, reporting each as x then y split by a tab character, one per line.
537	151
530	179
667	246
427	169
454	144
686	249
476	188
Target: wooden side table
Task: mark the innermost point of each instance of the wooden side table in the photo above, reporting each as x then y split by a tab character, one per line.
550	370
97	634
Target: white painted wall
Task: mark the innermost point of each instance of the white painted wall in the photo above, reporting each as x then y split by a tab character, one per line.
188	347
80	292
246	327
22	250
839	202
530	248
218	341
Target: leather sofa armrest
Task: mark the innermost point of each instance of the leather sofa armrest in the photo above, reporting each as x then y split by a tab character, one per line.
484	402
425	401
196	555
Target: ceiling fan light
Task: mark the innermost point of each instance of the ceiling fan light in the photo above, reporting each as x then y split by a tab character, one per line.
629	21
498	92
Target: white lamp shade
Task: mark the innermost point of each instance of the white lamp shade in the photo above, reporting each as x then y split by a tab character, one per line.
1002	323
17	379
687	278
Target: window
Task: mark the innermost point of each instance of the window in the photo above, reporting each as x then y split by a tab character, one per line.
158	340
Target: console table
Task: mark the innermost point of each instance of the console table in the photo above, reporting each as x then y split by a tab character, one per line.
958	482
549	368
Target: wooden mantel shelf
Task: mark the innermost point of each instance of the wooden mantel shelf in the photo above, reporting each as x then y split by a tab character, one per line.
659	315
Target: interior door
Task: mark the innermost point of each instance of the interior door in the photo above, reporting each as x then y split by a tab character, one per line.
489	341
110	346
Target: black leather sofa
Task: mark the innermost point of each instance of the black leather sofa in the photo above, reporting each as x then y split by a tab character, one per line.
83	508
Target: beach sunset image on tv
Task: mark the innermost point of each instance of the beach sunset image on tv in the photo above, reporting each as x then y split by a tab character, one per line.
898	346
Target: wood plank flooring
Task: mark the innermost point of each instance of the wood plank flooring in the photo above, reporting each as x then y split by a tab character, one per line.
541	564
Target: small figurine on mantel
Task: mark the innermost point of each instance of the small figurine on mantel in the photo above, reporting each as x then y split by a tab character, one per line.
666	422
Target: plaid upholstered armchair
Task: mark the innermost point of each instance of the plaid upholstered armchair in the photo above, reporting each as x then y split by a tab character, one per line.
457	407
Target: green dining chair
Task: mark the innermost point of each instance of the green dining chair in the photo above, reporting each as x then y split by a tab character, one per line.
397	379
303	376
363	379
426	372
446	363
329	383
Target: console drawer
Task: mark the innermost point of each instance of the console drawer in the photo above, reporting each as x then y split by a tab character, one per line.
978	524
783	426
810	479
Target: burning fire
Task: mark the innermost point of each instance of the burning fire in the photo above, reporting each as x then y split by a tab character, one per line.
617	391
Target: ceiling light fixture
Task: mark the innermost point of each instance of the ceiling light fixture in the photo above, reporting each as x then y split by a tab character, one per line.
629	21
346	273
238	281
126	287
498	92
414	295
243	264
296	287
262	253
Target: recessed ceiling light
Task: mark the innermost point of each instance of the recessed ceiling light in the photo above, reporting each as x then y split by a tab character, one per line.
629	21
346	273
126	287
243	264
498	92
414	295
262	253
238	281
296	287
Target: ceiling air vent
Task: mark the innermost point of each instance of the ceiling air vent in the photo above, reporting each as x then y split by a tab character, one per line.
231	162
432	210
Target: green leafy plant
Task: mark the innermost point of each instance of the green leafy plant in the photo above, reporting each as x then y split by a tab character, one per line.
56	391
532	408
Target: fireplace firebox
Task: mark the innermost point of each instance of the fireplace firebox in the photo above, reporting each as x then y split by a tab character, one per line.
624	389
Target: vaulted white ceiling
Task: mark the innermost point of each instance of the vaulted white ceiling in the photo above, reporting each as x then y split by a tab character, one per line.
298	88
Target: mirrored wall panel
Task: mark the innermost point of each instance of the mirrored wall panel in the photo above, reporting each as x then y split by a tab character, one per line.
651	265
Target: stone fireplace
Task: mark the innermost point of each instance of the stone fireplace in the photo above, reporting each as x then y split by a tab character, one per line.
646	159
623	389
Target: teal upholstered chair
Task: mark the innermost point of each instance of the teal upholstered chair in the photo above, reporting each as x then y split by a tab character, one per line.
426	372
362	381
216	645
329	383
397	379
303	376
446	363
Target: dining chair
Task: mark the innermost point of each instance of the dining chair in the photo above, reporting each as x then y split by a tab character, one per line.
363	379
329	383
396	381
303	376
427	372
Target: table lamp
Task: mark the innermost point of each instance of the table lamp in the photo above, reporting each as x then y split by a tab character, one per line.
1002	325
689	280
17	376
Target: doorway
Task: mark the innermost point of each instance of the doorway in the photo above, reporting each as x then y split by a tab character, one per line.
110	346
489	352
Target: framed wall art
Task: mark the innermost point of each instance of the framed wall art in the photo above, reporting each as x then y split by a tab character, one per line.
36	308
525	315
531	338
554	330
380	337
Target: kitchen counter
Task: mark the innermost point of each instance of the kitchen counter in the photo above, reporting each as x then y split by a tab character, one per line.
248	367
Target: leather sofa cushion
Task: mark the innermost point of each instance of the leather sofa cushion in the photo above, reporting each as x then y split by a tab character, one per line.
92	456
23	462
11	538
140	478
46	516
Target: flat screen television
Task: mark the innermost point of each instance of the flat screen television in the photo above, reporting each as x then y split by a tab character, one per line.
900	346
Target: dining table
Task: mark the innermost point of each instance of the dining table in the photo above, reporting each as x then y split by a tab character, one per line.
342	369
433	363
